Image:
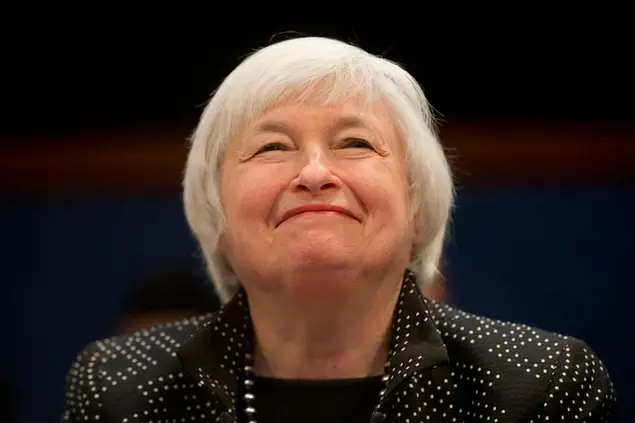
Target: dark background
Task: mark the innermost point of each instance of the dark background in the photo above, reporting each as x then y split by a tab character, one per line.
539	106
69	73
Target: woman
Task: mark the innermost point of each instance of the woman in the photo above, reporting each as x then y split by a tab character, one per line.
320	196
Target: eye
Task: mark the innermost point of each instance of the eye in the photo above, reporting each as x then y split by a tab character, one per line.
356	143
274	146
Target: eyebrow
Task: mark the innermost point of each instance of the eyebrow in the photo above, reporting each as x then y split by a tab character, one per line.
349	121
342	122
273	126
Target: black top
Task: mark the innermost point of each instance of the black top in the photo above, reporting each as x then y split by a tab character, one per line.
338	401
444	365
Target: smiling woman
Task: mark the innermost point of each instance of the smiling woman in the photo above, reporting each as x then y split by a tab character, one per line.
342	93
323	161
320	196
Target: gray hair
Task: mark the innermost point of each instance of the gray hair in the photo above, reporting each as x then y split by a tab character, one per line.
319	71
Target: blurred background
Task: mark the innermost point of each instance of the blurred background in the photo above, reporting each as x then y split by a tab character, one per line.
536	114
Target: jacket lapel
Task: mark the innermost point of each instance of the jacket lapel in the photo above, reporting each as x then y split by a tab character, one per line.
416	344
215	355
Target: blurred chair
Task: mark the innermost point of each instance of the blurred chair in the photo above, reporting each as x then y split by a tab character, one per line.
437	291
166	296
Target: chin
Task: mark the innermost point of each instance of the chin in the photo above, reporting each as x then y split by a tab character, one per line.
322	258
320	277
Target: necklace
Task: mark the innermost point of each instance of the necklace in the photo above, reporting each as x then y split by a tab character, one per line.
249	397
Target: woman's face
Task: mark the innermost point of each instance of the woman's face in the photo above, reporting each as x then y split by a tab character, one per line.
312	190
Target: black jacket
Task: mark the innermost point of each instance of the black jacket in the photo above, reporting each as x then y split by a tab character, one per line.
445	366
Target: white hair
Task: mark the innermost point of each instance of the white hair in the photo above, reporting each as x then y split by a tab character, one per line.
319	71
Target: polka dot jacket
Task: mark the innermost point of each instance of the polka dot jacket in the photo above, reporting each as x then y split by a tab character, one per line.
444	366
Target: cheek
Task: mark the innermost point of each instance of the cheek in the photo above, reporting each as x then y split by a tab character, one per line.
250	196
387	189
395	204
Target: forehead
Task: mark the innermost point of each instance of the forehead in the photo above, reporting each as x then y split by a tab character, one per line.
353	113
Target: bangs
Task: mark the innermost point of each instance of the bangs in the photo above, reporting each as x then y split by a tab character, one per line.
295	84
333	88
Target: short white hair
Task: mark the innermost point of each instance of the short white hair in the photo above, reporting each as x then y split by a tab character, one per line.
319	71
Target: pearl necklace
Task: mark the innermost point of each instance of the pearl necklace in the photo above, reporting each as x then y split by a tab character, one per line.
249	397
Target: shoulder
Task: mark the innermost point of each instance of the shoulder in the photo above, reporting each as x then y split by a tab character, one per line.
528	368
478	335
109	370
579	384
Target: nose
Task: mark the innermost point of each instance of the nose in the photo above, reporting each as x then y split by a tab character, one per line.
316	176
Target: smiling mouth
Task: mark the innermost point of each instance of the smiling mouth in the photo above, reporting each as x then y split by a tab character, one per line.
316	209
321	212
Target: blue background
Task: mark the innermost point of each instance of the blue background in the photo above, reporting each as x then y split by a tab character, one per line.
561	259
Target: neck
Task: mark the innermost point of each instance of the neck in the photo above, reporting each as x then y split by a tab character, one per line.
345	337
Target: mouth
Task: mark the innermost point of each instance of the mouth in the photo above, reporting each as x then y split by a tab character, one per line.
317	208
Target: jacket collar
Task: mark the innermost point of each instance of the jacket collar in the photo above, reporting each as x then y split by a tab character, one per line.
215	354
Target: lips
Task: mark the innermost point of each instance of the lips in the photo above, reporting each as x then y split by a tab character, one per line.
315	208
